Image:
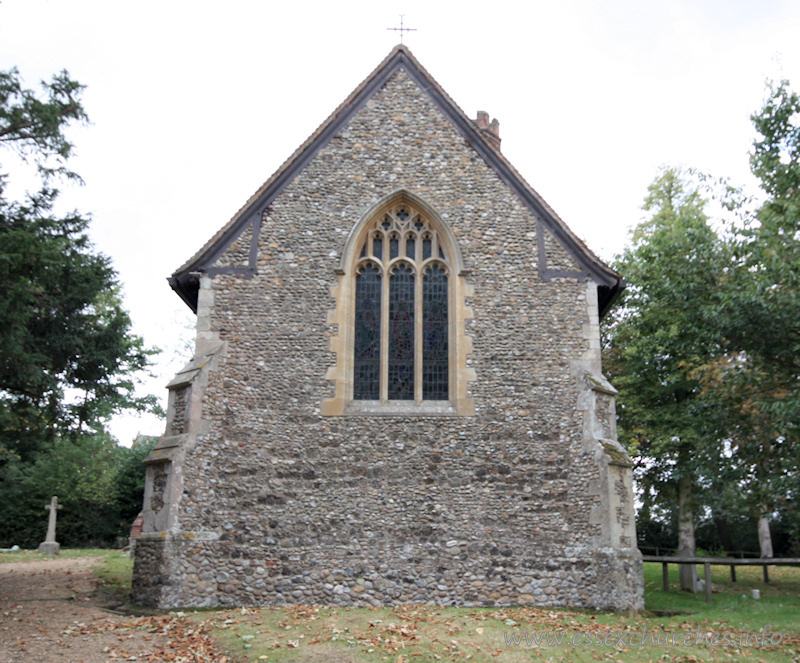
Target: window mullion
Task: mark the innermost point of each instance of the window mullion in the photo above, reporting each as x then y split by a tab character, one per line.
384	363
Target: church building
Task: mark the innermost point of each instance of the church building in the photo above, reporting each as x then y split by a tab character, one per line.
397	393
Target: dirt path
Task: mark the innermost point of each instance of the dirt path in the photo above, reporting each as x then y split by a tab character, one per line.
50	611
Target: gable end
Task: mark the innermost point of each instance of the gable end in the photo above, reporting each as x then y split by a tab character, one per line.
185	280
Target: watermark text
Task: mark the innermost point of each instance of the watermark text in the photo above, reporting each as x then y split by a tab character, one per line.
644	637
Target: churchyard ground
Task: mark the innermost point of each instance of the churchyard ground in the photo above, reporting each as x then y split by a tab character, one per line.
408	634
65	608
52	610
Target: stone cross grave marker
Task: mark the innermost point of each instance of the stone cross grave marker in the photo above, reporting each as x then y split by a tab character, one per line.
50	545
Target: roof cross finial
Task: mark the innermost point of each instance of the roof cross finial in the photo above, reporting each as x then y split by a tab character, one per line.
402	28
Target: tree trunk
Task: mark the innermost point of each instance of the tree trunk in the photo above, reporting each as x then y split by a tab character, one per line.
723	533
687	572
764	537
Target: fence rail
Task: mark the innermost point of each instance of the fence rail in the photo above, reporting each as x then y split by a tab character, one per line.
732	562
667	552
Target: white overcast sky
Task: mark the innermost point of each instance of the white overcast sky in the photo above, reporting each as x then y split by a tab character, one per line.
195	104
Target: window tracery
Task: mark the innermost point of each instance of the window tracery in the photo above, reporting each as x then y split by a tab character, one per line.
401	344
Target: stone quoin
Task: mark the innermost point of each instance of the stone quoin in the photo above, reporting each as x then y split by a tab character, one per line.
397	393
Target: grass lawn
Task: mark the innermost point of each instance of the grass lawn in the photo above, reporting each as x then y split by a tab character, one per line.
8	556
412	633
406	634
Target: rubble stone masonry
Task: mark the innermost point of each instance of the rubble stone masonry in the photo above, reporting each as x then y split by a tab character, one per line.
257	497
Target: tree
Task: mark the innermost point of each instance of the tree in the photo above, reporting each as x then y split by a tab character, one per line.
706	345
34	128
756	382
764	304
656	339
69	357
768	295
99	484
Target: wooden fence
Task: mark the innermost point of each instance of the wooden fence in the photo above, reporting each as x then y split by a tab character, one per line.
732	562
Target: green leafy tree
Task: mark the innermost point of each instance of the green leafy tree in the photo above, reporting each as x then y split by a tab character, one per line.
768	294
763	307
68	356
656	339
755	384
99	484
34	127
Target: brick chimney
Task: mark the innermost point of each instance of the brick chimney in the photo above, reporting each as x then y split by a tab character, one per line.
490	130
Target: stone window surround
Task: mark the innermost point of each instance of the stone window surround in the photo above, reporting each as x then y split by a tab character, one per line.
343	317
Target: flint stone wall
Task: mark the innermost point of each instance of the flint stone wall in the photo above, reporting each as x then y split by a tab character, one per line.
520	504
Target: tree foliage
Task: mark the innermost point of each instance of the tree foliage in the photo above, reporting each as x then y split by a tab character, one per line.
764	302
34	127
99	484
705	347
656	339
755	386
660	332
69	357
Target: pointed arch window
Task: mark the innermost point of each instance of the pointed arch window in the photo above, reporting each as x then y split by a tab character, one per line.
402	317
401	304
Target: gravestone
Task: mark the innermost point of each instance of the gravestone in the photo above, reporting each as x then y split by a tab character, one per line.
136	532
50	545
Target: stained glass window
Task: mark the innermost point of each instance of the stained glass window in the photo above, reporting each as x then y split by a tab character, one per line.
427	247
411	246
367	350
401	333
435	367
